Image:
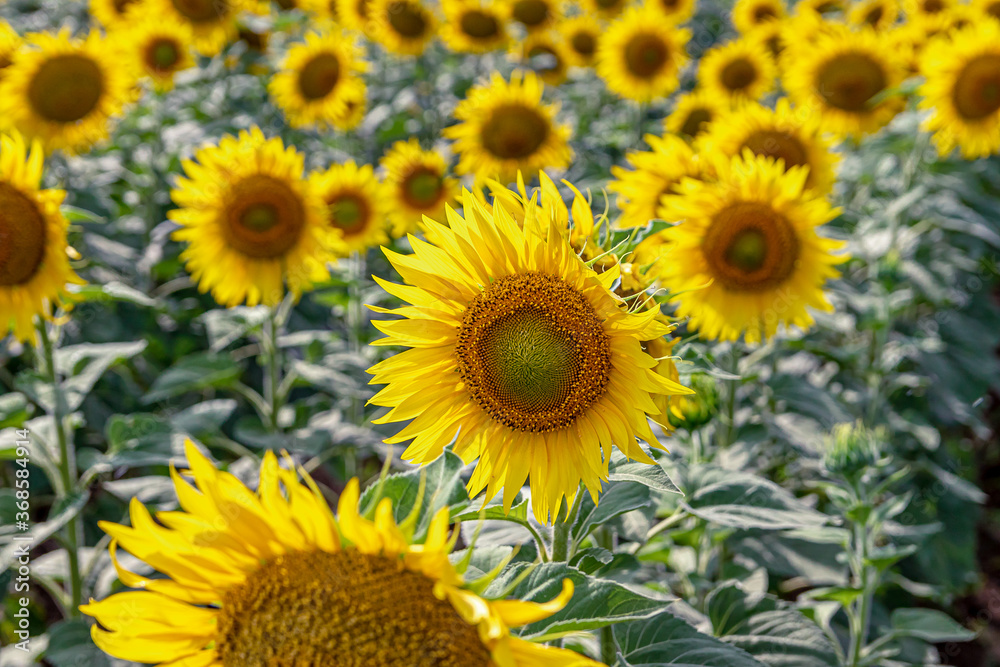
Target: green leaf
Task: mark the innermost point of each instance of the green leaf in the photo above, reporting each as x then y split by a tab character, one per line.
194	373
83	365
204	417
652	476
70	645
843	595
616	499
227	325
115	291
666	639
518	513
58	517
930	625
595	602
885	557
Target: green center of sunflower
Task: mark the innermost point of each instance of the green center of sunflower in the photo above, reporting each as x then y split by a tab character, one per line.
479	25
645	55
202	11
514	131
750	247
695	122
738	74
319	76
349	213
530	12
532	352
263	217
22	237
584	43
66	88
407	19
422	188
848	81
163	54
779	145
977	89
347	609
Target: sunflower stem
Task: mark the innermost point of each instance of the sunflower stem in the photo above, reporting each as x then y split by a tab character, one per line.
272	381
561	546
731	388
67	466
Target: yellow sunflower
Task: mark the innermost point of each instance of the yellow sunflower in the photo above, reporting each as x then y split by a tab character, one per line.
746	256
471	26
417	184
10	43
962	90
353	14
523	351
772	37
791	135
654	173
64	91
161	47
839	76
251	221
273	577
603	9
694	113
111	13
988	7
879	14
356	204
34	254
581	35
504	128
640	56
820	8
749	14
674	11
324	10
738	71
923	8
404	27
317	78
535	15
546	55
213	22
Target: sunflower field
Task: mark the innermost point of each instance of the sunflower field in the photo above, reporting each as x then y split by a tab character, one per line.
499	333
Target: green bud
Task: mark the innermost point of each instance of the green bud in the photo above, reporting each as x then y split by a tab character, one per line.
696	409
852	449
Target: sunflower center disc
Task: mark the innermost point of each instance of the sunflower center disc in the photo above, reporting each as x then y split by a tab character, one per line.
738	74
645	55
584	44
22	237
543	58
608	4
121	5
163	55
933	6
349	214
530	12
693	123
750	247
406	19
514	132
319	76
977	90
532	352
479	25
874	16
66	88
422	188
201	11
347	609
993	9
779	145
764	13
264	217
848	81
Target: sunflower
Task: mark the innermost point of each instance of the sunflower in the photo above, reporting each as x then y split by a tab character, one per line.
923	8
34	255
674	11
820	8
273	577
791	135
504	128
879	14
65	91
749	14
213	22
640	56
771	36
324	10
581	35
654	173
840	75
471	26
353	14
746	256
403	27
523	351
317	78
535	15
603	9
417	184
356	204
988	7
962	88
10	43
111	13
251	221
694	113
738	71
160	45
547	56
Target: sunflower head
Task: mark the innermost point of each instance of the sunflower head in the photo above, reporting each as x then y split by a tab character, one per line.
10	42
474	27
535	15
356	205
673	11
213	22
654	173
750	14
581	35
694	113
640	55
547	56
739	71
112	13
504	128
877	14
603	9
403	27
253	578
160	46
417	183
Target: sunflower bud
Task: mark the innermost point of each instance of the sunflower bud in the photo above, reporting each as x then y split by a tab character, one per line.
852	449
696	410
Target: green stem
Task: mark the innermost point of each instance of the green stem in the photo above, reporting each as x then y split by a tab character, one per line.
272	371
732	386
866	580
67	467
355	325
561	547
